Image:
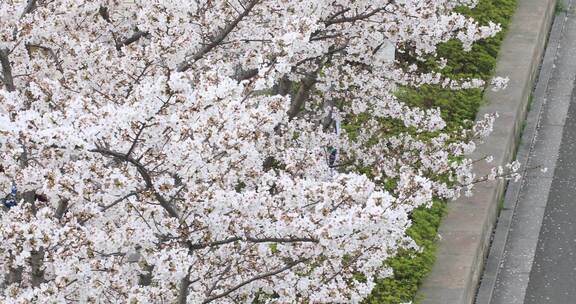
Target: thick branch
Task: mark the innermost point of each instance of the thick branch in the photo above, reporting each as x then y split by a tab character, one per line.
103	11
282	87
184	284
218	39
243	74
36	263
14	276
61	209
29	7
301	97
145	279
135	37
307	84
6	70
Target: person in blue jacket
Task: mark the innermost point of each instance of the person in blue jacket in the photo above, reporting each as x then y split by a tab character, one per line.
10	200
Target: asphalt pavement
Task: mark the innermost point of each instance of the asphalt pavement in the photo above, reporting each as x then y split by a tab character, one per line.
553	273
539	261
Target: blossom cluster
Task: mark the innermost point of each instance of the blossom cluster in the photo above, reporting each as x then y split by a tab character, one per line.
183	151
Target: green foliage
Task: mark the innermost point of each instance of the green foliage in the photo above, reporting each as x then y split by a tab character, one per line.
458	107
410	266
561	7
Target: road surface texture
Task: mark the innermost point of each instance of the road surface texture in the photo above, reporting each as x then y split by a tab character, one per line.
538	264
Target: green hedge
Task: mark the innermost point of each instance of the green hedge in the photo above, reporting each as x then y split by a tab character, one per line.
410	266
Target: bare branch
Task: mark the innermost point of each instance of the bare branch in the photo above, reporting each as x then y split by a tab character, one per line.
215	284
192	247
282	240
339	13
137	80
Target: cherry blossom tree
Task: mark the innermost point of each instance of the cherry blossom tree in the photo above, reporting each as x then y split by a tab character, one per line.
168	151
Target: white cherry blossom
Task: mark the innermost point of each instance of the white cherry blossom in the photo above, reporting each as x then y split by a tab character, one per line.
179	151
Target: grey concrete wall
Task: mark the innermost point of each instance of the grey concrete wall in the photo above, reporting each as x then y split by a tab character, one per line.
465	231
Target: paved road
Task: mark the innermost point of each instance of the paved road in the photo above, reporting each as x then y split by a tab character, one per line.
539	264
553	273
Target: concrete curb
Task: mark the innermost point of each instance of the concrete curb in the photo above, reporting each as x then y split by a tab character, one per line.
524	154
467	228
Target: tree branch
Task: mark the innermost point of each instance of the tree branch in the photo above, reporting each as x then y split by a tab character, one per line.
243	74
61	209
50	52
255	278
114	203
218	39
281	240
251	240
29	7
135	37
103	12
6	70
354	18
145	176
135	141
215	284
145	279
36	262
184	284
301	97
